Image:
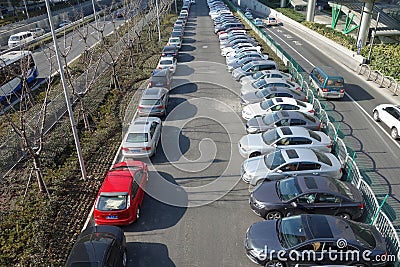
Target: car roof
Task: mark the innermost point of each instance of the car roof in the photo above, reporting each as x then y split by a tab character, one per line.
316	184
299	154
293	131
284	100
294	114
118	180
142	124
153	93
169	48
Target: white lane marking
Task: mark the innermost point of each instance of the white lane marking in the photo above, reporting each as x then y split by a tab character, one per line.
205	46
352	99
297	43
279	30
288	36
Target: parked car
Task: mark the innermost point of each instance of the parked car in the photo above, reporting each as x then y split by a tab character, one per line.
102	245
285	137
234	49
64	23
275	104
390	115
170	50
268	82
168	62
176	41
253	67
238	56
270	21
288	162
120	196
239	63
161	78
37	32
271	92
322	237
283	118
307	194
154	102
266	74
142	137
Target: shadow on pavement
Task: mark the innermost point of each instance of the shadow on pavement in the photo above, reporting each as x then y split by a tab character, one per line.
144	254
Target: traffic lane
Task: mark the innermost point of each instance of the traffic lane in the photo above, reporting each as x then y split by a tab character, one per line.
211	234
376	152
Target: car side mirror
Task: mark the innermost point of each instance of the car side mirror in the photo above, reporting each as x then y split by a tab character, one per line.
293	204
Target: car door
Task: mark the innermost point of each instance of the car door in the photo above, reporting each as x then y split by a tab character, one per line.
157	132
304	204
309	168
302	142
326	203
288	169
386	116
297	122
138	186
290	107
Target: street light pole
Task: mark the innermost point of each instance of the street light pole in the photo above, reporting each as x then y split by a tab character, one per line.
158	22
26	9
67	99
95	18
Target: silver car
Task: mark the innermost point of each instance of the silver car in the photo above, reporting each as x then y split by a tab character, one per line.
142	137
283	118
271	92
289	162
153	102
239	63
234	57
253	67
253	145
266	74
268	82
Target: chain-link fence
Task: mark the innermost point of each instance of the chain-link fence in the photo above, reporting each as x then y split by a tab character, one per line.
351	172
12	152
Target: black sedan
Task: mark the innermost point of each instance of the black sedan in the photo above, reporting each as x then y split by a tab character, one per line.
311	239
102	245
301	194
264	123
170	50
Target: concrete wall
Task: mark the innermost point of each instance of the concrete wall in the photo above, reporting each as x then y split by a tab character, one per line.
254	5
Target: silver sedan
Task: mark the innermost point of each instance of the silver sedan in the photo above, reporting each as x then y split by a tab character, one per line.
271	92
253	145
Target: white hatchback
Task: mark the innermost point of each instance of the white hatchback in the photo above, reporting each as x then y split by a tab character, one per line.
390	115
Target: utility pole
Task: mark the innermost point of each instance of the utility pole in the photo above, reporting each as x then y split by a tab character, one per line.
67	97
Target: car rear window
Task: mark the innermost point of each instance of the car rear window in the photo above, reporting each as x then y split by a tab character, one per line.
150	102
314	135
363	235
112	202
323	158
308	117
137	138
300	103
166	62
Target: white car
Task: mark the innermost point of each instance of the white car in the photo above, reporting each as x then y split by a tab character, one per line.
225	51
142	137
270	21
390	115
275	104
253	145
290	162
266	74
268	82
176	41
235	57
167	63
37	32
226	35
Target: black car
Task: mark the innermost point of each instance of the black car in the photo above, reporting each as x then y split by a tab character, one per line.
311	239
170	50
102	245
283	118
301	194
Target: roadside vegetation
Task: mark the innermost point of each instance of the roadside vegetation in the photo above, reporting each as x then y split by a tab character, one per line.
38	231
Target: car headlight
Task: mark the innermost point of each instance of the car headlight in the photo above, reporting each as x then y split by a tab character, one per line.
259	204
251	130
258	253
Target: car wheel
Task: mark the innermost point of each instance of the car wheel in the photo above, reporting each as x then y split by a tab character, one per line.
138	213
274	263
360	265
345	215
273	215
254	154
376	115
394	133
124	259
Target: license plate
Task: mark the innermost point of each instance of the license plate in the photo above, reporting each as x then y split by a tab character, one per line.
111	217
135	150
159	84
332	94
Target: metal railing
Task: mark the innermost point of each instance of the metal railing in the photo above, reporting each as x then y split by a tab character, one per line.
379	78
351	171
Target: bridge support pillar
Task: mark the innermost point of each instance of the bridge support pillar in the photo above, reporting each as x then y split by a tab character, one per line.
311	10
283	3
365	23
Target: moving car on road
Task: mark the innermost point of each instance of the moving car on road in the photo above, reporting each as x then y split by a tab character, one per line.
390	115
307	194
121	194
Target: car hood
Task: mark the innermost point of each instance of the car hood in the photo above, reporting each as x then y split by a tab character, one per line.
266	193
263	235
248	88
255	166
254	109
251	97
251	141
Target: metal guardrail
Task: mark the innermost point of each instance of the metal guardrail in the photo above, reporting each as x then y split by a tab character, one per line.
12	152
379	78
351	170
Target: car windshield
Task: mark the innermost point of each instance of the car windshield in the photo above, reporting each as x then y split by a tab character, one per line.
137	138
262	93
14	38
259	83
257	75
270	136
166	62
112	202
363	235
274	160
291	231
323	158
267	104
270	119
247	67
288	189
308	117
150	102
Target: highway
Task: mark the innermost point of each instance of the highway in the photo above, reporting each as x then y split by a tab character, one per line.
376	152
198	161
